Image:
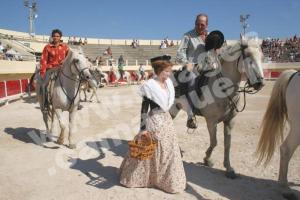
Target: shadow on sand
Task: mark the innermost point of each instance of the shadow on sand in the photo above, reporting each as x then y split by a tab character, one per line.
29	135
104	177
101	176
244	187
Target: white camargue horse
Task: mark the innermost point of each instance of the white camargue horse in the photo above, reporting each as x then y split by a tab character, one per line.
283	107
220	96
140	77
86	86
126	75
63	93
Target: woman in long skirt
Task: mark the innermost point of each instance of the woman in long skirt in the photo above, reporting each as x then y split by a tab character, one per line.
165	169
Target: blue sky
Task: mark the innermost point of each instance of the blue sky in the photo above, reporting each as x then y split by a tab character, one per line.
153	19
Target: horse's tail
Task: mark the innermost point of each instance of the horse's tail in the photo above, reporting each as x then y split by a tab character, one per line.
274	119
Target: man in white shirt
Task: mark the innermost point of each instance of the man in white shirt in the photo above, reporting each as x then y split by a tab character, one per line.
195	43
142	71
1	48
191	46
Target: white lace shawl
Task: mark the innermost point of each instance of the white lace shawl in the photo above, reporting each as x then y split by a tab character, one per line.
152	90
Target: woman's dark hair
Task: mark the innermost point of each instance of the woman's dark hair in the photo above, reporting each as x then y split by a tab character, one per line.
56	31
161	65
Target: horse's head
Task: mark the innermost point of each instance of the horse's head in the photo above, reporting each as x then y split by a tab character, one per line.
248	55
79	66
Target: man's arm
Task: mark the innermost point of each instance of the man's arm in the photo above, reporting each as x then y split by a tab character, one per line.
181	56
44	62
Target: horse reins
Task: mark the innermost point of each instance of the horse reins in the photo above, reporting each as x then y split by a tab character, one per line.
75	80
246	89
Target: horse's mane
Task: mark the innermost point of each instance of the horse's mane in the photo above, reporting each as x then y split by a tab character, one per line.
253	48
73	53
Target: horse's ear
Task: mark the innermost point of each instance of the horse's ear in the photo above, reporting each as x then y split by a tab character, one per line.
243	39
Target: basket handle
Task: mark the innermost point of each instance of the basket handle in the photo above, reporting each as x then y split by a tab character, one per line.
148	136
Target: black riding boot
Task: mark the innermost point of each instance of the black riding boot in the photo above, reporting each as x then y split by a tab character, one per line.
45	103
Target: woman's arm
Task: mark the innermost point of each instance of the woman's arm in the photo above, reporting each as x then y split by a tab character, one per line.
144	111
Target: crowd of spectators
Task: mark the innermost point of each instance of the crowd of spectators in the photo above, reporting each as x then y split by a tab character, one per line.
277	50
165	43
8	53
135	43
74	41
99	61
107	52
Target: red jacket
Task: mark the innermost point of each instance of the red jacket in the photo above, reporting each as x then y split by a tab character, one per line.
53	56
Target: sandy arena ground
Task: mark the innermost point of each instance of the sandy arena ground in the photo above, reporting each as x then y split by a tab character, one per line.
33	169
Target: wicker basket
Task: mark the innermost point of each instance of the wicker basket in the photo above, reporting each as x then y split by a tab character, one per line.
142	148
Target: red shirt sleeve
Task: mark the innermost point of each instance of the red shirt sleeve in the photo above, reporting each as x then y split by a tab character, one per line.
44	61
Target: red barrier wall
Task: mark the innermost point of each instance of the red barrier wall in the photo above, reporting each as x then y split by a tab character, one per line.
13	87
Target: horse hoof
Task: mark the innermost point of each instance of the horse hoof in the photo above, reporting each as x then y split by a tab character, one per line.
72	146
231	174
208	163
49	139
60	141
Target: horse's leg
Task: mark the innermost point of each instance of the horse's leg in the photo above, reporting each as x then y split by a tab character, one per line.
72	113
287	149
130	79
94	93
85	95
212	129
41	99
228	125
50	136
30	83
45	118
61	137
80	94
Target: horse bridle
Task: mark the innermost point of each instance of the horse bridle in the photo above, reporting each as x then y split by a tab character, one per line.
81	77
80	72
246	89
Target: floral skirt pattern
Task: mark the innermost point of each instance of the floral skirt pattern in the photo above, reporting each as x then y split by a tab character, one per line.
165	169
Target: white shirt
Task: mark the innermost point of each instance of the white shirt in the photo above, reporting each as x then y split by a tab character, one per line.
163	97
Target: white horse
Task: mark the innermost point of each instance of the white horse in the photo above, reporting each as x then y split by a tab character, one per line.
93	84
219	99
63	93
126	75
140	77
86	87
283	106
105	78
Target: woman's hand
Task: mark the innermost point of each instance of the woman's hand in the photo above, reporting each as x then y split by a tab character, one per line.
190	66
140	134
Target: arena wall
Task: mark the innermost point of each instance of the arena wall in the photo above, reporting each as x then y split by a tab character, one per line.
15	75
